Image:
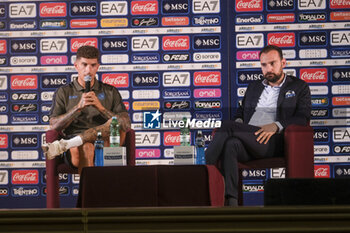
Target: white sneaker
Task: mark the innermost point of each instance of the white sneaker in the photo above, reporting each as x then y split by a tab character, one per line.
51	150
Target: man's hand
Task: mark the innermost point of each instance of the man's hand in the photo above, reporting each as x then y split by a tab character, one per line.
266	132
89	99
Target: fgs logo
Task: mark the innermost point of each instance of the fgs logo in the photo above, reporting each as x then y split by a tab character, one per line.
23	46
312	75
205	6
176	42
24	108
24	140
3	141
22	10
24	96
313	38
115	44
284	39
250	40
83	8
245	77
57	9
206	42
177	104
339	75
340	38
149	7
53	82
175	7
145	79
23	82
145	43
145	22
116	79
76	43
147	139
249	5
311	4
109	8
53	45
280	5
176	79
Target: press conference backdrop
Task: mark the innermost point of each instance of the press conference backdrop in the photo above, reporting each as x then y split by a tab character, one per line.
185	57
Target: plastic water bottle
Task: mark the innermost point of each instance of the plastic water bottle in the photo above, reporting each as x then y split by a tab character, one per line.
114	136
200	143
185	138
99	150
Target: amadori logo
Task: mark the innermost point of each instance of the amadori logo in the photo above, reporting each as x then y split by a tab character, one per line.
56	9
144	7
249	5
116	79
78	42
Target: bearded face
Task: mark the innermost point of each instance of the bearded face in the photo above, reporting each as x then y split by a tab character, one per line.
272	67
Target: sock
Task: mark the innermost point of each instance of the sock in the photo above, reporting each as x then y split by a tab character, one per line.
74	142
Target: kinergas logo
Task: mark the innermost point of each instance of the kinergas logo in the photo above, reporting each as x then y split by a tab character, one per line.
116	79
249	5
22	82
56	9
144	7
78	42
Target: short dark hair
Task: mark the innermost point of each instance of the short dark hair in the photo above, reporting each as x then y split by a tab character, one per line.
88	51
269	48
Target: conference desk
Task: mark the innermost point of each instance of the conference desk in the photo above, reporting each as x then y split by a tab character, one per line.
158	185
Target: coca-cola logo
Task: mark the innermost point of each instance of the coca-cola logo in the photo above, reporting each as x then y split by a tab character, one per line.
3	48
249	5
25	177
22	82
116	80
314	75
144	7
176	43
281	39
171	138
57	9
339	4
207	78
322	171
76	43
3	141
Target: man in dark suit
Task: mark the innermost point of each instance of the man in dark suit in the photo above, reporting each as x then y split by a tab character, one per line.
268	107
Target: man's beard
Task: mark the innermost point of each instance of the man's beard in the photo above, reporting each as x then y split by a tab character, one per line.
273	78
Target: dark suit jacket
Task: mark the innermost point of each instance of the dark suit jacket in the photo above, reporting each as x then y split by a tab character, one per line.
293	105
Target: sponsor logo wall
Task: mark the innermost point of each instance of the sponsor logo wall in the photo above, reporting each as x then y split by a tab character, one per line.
315	38
165	54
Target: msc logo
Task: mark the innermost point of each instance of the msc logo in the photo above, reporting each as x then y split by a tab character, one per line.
22	10
280	5
342	171
321	135
311	4
24	108
108	8
115	44
339	75
83	8
25	140
206	42
50	81
145	22
145	43
245	77
151	119
145	79
254	173
23	46
339	38
311	17
205	6
176	79
175	7
53	45
147	139
312	38
2	11
176	57
250	40
184	104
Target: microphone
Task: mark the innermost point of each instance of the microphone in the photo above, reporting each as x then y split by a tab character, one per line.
87	80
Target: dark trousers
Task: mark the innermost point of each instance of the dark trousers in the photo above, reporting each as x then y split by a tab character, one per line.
235	142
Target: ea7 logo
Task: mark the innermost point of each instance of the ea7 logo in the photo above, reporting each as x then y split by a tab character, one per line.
249	40
340	38
108	8
3	82
205	6
22	10
176	79
53	45
311	4
147	139
341	134
4	177
145	43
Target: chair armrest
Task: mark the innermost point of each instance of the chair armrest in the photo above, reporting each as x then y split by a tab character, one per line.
130	147
299	151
